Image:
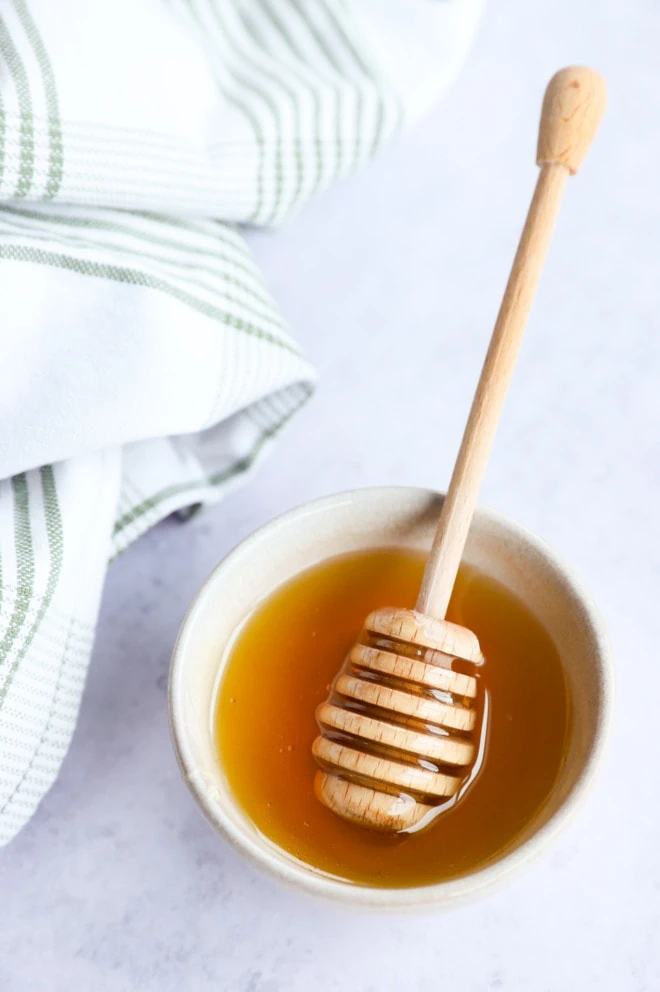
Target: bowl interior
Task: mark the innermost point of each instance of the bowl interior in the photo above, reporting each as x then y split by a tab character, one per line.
349	522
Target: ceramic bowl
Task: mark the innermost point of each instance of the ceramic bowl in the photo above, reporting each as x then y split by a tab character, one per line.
377	518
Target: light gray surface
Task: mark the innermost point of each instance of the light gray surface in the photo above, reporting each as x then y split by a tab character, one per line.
391	282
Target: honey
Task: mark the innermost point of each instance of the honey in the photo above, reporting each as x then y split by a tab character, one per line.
280	668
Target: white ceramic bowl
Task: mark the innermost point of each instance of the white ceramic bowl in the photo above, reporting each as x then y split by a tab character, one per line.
377	518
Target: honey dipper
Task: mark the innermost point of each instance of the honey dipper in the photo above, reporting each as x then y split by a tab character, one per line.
399	731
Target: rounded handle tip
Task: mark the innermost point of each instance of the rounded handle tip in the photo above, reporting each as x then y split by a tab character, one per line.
573	106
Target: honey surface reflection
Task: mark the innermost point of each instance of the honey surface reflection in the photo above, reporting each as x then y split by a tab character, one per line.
280	668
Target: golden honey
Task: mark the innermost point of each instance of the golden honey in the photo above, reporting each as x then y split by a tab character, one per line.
280	667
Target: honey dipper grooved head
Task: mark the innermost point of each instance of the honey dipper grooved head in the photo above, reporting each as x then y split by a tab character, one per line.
397	731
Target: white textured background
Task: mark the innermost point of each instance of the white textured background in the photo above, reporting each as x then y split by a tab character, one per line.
391	282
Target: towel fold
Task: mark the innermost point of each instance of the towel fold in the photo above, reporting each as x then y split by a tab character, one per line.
144	366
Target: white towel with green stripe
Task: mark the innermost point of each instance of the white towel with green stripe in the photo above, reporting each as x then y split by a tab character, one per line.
144	367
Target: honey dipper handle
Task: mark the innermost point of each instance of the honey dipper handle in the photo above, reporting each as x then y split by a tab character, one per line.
572	108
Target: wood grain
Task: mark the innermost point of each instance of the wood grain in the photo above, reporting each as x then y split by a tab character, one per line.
398	732
573	105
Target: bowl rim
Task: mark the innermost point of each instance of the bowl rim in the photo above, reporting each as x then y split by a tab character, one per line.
279	863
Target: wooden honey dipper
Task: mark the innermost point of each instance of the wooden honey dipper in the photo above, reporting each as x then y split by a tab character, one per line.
401	728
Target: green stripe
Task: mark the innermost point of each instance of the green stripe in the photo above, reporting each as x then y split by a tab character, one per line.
91	165
319	38
53	626
293	93
315	143
280	27
269	103
285	36
355	55
46	653
60	617
174	490
3	130
56	160
382	86
359	102
86	223
114	133
268	315
19	76
219	229
247	113
238	467
55	546
24	563
129	483
323	48
188	157
54	533
54	623
132	277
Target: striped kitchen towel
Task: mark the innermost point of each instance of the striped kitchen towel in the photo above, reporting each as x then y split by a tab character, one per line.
143	365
